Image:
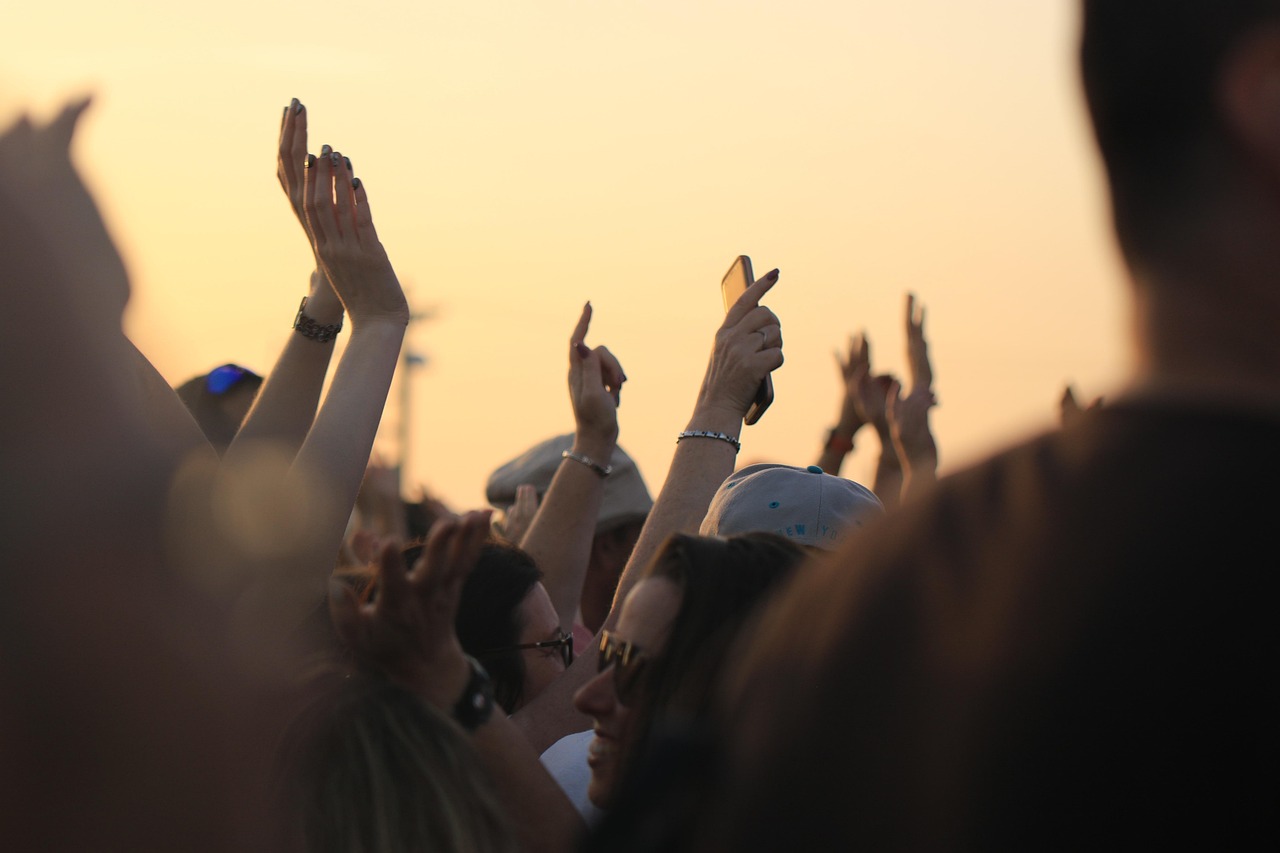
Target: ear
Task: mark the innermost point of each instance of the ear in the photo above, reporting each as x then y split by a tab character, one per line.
1249	96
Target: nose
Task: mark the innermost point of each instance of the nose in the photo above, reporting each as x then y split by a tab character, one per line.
597	697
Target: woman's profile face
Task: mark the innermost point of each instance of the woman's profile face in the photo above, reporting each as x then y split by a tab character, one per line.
643	627
541	666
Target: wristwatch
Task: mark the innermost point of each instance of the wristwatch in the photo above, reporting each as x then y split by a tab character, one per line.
475	705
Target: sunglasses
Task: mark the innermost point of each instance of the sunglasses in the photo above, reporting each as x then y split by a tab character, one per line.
222	379
628	663
564	643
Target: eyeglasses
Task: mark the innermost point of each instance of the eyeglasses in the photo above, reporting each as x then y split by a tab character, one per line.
222	379
564	643
627	661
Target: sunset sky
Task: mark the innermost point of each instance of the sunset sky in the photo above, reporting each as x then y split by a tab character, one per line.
524	157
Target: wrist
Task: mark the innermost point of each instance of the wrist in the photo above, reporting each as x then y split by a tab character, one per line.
716	418
595	445
379	329
317	328
839	441
323	305
439	686
849	421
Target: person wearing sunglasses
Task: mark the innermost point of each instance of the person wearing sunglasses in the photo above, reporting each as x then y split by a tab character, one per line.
675	630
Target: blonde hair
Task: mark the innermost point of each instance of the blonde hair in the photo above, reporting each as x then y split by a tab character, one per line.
368	767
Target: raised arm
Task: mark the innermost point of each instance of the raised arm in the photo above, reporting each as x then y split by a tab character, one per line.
336	452
909	415
871	401
747	348
285	406
559	538
853	369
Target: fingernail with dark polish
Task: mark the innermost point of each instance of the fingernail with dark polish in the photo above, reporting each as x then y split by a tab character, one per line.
295	104
309	162
355	184
347	160
333	158
772	275
325	150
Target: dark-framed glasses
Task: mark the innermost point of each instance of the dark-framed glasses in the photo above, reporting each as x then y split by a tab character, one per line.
627	661
563	643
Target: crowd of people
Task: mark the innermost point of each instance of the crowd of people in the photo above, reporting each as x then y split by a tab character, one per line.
248	639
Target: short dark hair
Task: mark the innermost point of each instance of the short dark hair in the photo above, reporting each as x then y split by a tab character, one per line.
1150	70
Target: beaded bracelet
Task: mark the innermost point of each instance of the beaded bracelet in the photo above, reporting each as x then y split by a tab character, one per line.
310	328
702	433
602	470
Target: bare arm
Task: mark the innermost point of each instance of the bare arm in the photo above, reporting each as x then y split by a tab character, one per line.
559	538
873	398
747	347
909	416
285	406
839	442
332	460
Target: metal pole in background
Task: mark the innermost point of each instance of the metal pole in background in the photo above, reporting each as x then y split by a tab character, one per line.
409	360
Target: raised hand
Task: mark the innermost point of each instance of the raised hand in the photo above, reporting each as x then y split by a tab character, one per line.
909	425
908	416
337	213
291	160
406	631
747	348
595	383
517	519
854	369
917	348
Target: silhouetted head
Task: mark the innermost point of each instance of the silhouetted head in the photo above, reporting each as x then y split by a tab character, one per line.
1152	72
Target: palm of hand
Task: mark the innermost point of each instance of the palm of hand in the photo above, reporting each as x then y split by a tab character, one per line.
407	630
347	244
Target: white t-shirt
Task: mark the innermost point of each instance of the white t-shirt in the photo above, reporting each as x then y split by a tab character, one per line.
566	761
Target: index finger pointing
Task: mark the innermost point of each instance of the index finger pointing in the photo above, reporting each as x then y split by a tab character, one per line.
580	330
751	297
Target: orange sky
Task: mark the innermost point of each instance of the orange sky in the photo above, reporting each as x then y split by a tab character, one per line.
523	157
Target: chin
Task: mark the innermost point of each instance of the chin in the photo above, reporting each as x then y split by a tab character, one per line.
598	791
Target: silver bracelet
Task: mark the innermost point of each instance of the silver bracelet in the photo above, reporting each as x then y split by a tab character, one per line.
309	328
702	433
602	470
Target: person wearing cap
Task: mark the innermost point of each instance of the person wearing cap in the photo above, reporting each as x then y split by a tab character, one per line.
219	401
806	505
747	347
1071	643
623	509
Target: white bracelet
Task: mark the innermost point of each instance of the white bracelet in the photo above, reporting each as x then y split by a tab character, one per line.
702	433
602	470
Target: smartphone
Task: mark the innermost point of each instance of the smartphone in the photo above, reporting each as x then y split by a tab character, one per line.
735	282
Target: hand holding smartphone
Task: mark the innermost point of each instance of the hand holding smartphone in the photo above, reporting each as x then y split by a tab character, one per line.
733	285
